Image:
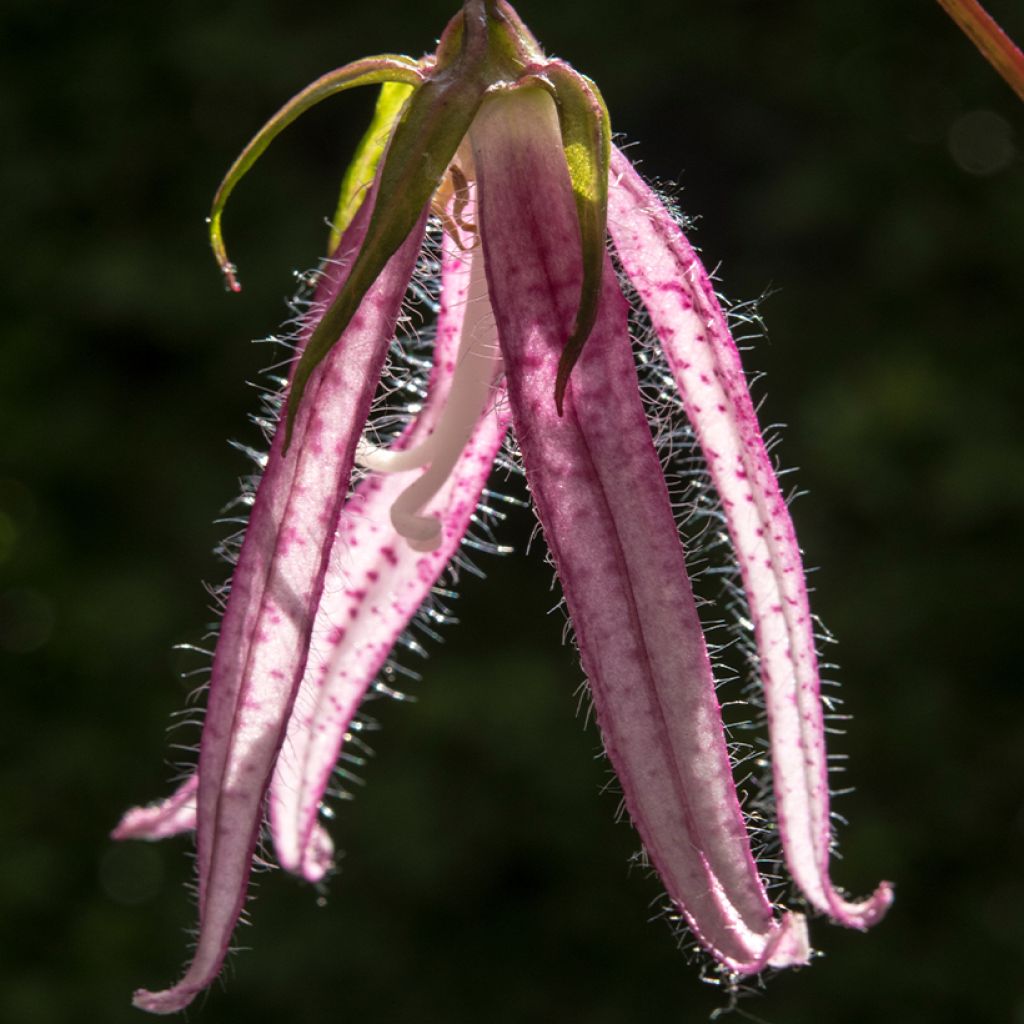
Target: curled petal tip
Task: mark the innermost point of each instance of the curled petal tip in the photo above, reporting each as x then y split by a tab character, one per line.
171	1000
132	825
318	856
160	820
314	860
865	913
792	945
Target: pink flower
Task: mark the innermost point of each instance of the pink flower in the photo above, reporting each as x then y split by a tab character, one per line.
512	151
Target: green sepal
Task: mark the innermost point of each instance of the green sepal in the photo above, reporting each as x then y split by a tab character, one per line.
369	71
587	140
361	171
432	124
512	26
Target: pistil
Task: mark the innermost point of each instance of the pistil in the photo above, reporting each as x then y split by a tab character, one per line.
477	369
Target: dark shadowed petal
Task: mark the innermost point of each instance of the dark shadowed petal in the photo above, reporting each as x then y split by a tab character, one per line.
604	506
706	366
275	590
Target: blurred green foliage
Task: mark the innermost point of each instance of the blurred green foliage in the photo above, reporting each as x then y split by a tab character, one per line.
860	163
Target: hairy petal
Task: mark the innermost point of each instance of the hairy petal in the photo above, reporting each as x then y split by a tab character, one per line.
706	365
275	590
375	580
177	814
604	506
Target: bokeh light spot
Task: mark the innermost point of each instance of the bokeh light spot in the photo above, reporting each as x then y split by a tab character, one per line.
981	142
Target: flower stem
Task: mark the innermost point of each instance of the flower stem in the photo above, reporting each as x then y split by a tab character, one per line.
992	42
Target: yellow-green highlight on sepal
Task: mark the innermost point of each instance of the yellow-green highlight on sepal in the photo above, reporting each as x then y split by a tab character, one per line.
361	171
433	122
587	141
514	28
369	71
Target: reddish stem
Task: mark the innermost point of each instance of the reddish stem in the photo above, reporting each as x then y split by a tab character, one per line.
992	42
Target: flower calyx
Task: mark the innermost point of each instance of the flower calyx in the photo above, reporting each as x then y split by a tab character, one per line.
424	112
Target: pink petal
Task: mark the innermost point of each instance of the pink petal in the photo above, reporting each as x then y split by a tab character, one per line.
177	814
275	590
166	818
706	365
376	582
604	505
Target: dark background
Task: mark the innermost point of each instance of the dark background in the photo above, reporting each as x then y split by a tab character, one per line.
860	162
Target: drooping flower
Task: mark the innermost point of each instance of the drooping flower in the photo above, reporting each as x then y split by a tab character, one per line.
512	152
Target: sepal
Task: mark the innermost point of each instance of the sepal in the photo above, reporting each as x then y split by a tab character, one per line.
362	170
368	71
433	123
586	139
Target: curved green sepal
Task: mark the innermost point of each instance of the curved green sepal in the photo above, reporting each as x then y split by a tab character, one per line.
433	122
363	169
587	140
369	71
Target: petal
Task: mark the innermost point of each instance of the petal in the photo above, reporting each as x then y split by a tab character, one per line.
375	580
177	814
168	817
706	366
274	593
604	506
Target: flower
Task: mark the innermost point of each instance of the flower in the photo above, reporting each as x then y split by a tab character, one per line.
512	152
